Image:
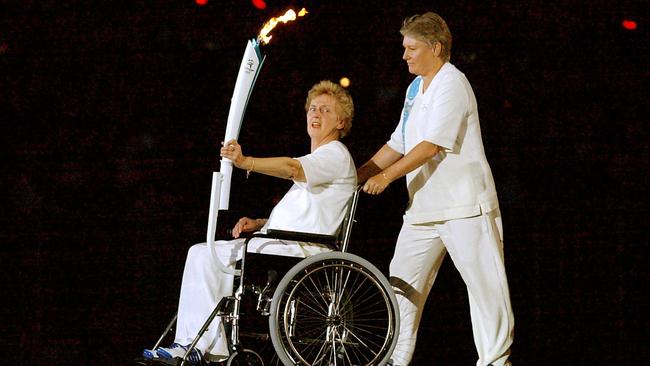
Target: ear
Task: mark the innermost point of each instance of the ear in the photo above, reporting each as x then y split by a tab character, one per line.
437	49
340	124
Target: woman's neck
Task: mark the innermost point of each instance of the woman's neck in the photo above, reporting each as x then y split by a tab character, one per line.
428	78
316	144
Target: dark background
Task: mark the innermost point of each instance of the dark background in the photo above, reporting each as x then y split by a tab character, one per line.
112	114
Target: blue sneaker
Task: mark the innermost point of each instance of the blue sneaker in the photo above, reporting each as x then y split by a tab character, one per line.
151	354
194	358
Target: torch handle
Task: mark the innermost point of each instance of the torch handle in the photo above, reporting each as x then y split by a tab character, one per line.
226	177
217	181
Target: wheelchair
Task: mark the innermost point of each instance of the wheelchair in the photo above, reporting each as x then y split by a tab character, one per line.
333	308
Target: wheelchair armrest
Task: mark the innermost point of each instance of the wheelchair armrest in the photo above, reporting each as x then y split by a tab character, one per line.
329	240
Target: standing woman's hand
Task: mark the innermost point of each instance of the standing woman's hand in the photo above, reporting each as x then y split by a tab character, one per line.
376	184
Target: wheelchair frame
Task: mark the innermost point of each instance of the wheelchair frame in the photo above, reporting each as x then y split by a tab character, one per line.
345	337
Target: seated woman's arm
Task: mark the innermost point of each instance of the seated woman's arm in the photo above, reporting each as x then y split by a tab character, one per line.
247	225
281	167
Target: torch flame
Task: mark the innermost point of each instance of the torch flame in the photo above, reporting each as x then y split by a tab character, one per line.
290	15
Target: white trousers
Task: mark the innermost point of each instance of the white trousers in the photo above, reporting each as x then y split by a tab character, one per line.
204	285
476	248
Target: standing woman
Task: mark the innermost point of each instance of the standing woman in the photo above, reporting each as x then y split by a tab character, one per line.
453	204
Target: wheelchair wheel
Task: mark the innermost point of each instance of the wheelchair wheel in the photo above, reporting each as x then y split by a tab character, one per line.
334	309
245	357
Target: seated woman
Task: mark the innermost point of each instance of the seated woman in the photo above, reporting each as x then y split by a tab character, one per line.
324	180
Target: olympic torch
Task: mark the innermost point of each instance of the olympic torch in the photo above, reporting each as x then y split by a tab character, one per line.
248	72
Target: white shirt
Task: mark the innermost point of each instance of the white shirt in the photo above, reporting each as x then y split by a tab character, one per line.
457	182
318	205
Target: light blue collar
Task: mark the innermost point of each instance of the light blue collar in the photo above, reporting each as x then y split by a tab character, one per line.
411	93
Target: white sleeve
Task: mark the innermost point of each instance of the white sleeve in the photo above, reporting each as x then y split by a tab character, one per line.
396	141
328	163
449	110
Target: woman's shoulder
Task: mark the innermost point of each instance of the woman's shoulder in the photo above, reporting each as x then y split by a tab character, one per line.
450	74
336	151
449	78
335	145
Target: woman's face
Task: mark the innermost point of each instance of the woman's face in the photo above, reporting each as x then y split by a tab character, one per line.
419	56
323	122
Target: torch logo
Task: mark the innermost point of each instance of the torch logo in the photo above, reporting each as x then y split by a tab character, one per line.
249	66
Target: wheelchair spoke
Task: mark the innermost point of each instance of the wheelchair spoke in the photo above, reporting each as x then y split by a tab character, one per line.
320	289
314	346
366	341
343	280
314	306
316	295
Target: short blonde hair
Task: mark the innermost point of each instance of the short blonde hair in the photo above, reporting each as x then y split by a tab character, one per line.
431	28
345	106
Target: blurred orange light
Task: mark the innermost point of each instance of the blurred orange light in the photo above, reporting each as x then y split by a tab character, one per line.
629	24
